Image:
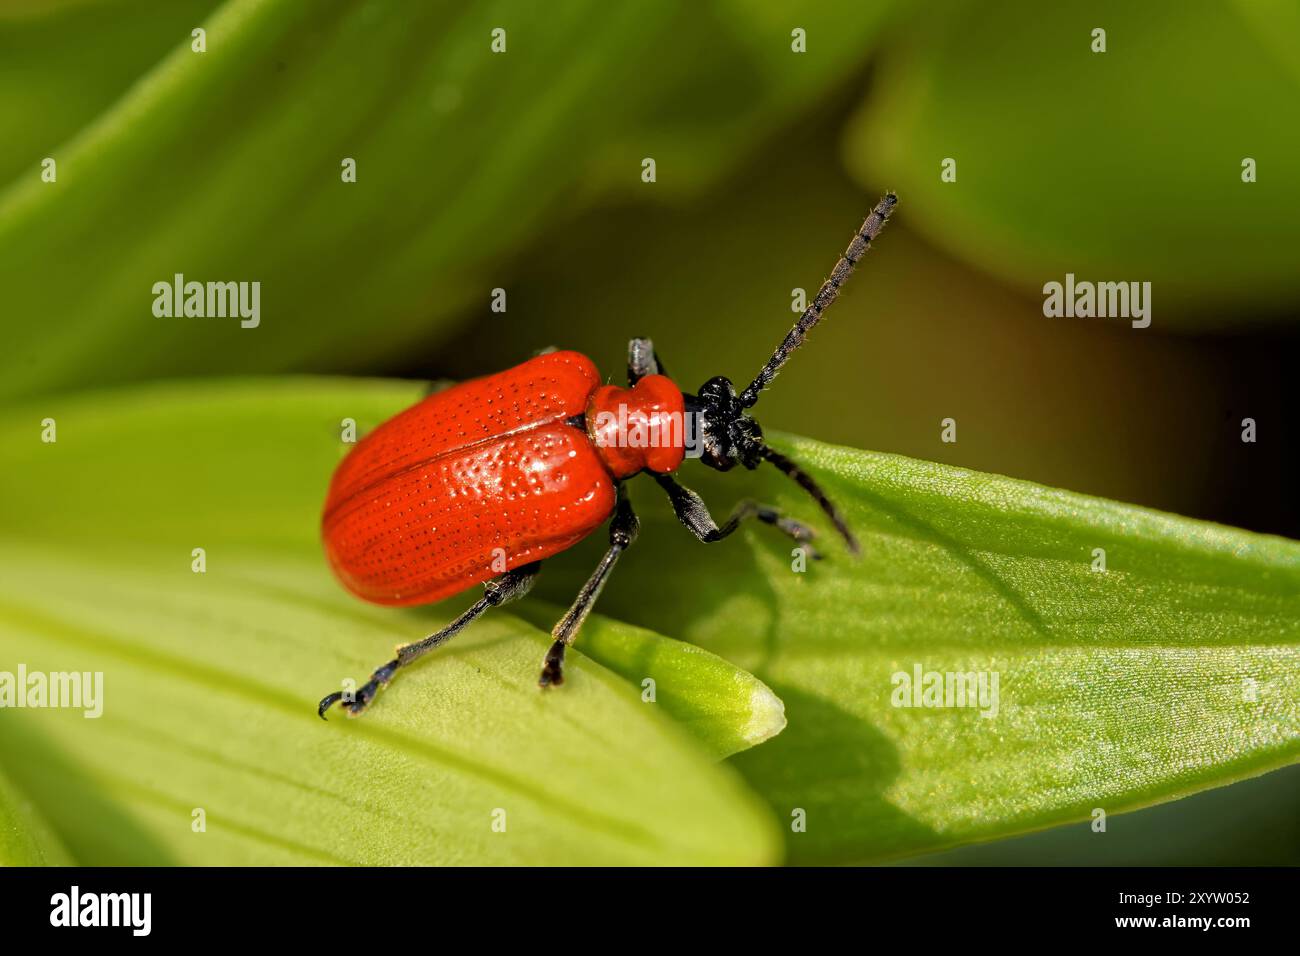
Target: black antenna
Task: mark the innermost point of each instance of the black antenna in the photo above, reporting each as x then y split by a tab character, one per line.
823	299
806	482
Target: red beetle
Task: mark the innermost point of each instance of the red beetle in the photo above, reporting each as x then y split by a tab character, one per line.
483	481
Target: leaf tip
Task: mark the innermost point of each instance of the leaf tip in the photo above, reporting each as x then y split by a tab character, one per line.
766	715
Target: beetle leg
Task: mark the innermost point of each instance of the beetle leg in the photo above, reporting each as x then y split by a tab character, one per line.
509	587
642	360
692	512
622	532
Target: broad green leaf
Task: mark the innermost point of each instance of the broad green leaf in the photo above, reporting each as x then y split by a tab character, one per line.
209	683
724	708
1172	671
210	679
1117	166
226	165
25	838
1117	688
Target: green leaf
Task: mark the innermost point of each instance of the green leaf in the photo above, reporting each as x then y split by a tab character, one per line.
1117	689
1117	166
724	708
209	689
226	165
25	838
210	679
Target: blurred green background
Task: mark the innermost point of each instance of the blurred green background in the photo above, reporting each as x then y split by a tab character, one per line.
522	170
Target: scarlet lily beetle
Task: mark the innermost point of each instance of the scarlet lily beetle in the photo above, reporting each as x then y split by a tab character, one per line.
481	482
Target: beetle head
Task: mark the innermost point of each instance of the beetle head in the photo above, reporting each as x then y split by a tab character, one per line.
728	437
